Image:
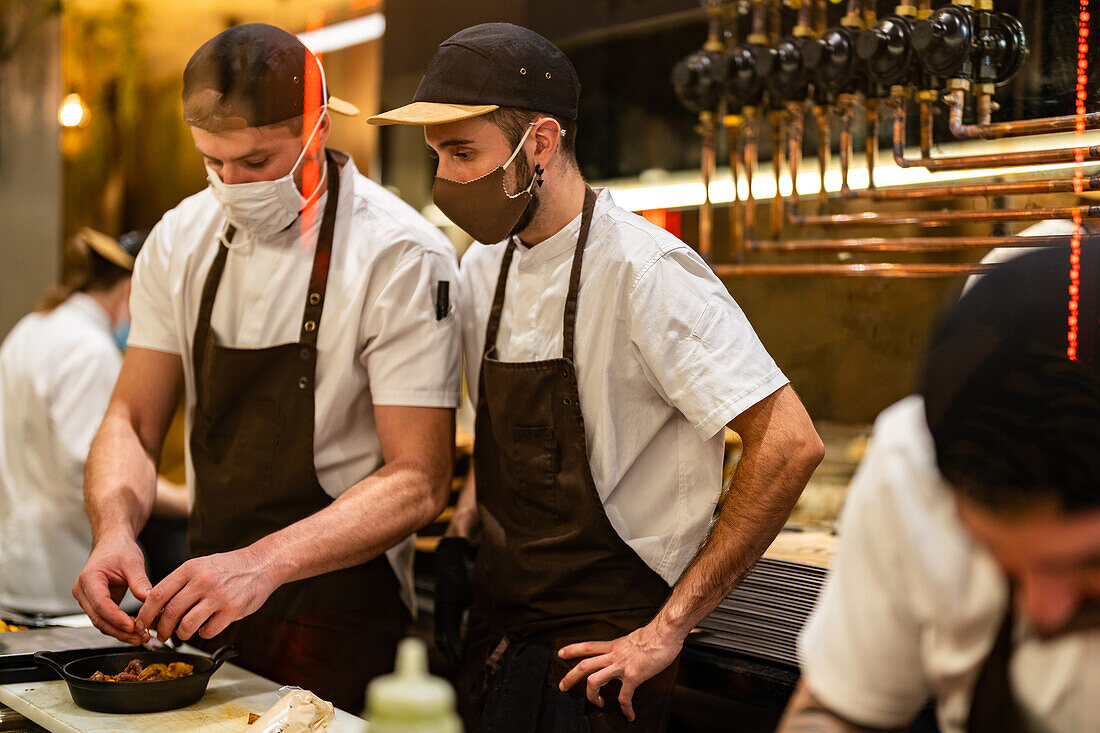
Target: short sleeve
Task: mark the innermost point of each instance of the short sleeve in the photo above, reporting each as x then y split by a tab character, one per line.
412	333
696	345
860	651
151	323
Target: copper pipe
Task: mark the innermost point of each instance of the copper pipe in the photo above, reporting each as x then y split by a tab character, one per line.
737	211
925	129
947	218
822	154
706	213
1015	188
750	169
871	112
797	114
846	102
985	129
925	5
890	270
778	120
990	160
904	244
821	18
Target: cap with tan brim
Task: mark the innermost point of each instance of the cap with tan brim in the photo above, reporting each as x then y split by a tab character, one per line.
486	67
107	247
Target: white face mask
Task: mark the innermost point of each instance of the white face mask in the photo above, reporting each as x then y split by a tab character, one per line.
263	208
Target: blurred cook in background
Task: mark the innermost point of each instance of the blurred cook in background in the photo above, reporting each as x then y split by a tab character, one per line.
58	367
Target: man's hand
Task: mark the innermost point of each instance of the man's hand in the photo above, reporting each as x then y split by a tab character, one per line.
634	658
115	565
206	594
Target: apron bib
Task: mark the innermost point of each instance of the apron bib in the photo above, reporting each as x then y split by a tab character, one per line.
252	450
551	569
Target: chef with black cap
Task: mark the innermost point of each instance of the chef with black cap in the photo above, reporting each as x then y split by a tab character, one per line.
304	310
58	367
606	360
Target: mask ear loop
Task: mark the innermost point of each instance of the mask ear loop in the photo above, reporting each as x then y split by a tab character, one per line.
519	147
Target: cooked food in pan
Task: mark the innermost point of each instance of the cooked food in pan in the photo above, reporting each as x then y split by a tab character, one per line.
134	672
5	626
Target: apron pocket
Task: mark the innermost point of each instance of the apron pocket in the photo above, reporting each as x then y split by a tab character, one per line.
536	462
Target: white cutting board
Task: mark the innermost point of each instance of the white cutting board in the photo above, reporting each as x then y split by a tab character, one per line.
233	693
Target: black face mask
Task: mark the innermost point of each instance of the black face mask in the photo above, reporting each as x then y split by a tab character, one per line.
483	208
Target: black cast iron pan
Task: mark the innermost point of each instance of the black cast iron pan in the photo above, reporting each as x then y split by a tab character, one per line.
135	697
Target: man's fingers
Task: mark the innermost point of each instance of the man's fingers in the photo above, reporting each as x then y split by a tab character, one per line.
585	649
98	605
180	605
626	699
596	681
217	624
582	670
134	570
158	597
194	619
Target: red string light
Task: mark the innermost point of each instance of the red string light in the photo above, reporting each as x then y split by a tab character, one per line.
1078	177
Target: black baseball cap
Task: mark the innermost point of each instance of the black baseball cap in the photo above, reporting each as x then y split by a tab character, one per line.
486	67
251	75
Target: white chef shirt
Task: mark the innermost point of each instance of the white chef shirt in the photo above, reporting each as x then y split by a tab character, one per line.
379	342
664	356
57	371
913	605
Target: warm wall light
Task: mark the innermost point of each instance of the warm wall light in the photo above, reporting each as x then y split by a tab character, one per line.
73	112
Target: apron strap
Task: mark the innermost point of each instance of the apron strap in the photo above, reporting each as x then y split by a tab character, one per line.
318	278
322	257
993	708
206	306
569	319
498	297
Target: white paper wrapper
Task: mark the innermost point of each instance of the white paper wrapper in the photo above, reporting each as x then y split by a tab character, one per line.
298	711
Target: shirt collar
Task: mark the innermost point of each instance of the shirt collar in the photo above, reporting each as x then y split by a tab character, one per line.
565	239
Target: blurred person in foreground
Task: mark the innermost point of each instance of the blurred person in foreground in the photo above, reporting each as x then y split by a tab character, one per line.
968	569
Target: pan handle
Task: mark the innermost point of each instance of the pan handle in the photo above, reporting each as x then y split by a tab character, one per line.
221	655
47	659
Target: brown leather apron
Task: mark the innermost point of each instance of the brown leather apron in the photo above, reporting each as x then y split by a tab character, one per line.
551	570
252	451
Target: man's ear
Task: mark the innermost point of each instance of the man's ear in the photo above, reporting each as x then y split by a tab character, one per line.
547	137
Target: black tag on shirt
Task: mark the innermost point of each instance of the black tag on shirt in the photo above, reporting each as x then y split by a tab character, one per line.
442	300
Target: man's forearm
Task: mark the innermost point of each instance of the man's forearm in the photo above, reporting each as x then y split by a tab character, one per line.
765	487
368	519
465	523
805	714
120	480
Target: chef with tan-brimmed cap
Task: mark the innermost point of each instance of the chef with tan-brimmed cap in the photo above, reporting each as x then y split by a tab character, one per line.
304	312
606	360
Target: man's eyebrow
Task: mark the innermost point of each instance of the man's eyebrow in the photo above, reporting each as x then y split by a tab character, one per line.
250	154
455	142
